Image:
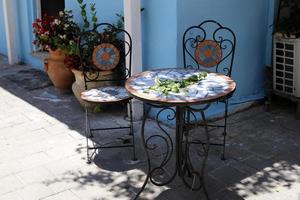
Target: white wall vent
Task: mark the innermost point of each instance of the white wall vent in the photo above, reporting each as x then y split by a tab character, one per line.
286	66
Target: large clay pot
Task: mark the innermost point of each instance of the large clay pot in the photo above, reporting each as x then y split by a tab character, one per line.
78	86
61	76
58	54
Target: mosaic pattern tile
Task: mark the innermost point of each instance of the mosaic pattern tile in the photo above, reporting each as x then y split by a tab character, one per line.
106	56
213	86
106	94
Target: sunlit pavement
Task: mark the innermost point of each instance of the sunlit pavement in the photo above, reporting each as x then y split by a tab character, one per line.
42	153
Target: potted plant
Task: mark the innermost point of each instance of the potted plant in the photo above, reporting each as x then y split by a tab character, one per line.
73	60
59	37
288	19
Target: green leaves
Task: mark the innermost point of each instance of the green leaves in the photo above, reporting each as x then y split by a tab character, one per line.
166	86
83	13
94	14
94	19
93	9
86	22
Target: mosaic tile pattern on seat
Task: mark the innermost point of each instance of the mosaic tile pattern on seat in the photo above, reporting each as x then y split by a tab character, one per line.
106	94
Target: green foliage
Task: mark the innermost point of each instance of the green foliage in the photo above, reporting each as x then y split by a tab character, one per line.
83	12
290	24
166	86
53	33
94	14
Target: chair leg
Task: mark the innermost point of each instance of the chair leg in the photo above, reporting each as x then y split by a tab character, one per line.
87	135
225	131
132	131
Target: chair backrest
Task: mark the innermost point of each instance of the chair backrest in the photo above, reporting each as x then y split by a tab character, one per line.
103	51
209	46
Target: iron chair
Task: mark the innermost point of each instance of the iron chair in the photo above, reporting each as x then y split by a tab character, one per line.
103	50
211	47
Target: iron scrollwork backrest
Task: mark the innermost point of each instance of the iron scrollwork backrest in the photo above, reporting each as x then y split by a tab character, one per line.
110	36
213	33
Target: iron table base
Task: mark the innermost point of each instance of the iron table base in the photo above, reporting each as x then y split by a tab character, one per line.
184	164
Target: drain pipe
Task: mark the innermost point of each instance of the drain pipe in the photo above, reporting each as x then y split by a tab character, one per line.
132	20
9	11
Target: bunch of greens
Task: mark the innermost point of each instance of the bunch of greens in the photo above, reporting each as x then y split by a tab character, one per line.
165	86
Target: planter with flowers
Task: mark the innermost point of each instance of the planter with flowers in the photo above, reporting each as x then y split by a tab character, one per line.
73	60
59	37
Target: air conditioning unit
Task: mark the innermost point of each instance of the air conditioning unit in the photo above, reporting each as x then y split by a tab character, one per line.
286	66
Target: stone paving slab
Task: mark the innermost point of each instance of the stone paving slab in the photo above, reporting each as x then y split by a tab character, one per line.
42	152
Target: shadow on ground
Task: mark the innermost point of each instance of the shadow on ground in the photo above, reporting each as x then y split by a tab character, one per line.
262	152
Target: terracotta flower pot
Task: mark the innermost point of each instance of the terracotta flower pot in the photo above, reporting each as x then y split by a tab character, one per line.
61	76
58	54
78	86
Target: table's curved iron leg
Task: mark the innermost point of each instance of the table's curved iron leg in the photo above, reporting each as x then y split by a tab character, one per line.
160	170
88	135
132	130
147	154
189	168
225	130
206	151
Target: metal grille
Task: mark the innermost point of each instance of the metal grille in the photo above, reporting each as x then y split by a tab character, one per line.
284	66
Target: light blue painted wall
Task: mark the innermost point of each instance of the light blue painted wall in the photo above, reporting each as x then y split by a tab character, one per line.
159	27
3	49
272	14
26	14
106	9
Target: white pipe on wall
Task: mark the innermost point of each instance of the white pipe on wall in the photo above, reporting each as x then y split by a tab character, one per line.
9	12
132	16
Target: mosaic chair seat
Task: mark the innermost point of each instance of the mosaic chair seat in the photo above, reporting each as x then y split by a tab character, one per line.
209	46
104	50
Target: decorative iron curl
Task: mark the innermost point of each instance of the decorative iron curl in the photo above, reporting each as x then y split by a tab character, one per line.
194	42
227	45
190	170
168	142
105	33
191	111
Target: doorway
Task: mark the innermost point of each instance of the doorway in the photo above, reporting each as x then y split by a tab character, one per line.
50	7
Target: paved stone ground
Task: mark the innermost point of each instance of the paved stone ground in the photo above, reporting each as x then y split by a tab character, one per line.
42	153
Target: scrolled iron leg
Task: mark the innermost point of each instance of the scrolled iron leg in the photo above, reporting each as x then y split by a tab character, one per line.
298	110
225	131
206	151
147	154
132	131
87	135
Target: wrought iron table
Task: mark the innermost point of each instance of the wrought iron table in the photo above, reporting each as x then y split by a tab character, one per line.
213	88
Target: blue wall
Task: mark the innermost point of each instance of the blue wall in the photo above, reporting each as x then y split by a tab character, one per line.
159	33
3	49
159	27
26	14
272	14
106	10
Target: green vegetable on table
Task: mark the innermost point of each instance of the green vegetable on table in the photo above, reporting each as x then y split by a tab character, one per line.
166	86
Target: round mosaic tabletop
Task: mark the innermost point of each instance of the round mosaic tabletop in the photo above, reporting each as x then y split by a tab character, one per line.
214	87
106	94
